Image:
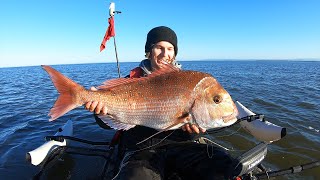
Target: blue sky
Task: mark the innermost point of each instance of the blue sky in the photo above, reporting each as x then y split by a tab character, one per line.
38	32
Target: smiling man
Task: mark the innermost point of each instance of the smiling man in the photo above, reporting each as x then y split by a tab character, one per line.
170	153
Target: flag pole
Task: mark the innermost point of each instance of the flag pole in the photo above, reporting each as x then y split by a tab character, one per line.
115	49
111	33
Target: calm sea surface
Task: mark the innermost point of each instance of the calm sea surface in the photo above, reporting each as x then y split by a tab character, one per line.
287	92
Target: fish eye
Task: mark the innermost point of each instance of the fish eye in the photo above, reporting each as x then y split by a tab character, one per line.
217	99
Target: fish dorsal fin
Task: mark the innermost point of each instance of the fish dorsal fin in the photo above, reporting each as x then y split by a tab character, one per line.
165	68
115	124
116	82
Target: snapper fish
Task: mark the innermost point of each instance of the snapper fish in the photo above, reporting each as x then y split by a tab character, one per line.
161	100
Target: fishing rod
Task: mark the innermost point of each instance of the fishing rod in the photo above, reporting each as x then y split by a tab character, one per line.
112	12
111	33
282	172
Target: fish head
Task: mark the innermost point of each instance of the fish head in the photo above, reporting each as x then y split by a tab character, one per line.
214	107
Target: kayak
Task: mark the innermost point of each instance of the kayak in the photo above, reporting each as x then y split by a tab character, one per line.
56	156
259	128
39	154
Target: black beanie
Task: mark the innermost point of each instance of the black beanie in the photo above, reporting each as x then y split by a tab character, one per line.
161	33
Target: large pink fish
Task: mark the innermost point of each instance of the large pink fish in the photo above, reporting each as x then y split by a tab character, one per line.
160	101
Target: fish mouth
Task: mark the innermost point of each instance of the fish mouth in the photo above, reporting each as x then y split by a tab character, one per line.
231	118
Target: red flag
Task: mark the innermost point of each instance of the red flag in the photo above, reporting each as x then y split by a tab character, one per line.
110	33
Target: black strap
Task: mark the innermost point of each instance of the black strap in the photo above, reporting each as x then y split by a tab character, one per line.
252	118
246	118
62	138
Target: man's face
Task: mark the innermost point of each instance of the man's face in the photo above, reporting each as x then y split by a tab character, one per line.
162	51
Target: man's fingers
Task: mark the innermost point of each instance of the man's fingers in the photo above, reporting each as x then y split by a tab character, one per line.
202	130
97	110
93	106
104	110
87	105
188	128
96	107
195	128
93	88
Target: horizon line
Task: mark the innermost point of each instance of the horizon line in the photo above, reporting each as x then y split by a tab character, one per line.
186	60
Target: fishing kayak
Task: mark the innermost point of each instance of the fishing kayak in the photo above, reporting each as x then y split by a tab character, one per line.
56	155
39	154
259	128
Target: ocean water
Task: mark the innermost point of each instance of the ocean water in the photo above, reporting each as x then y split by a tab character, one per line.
287	92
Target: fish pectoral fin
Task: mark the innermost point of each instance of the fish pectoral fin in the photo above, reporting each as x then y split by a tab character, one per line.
180	122
114	123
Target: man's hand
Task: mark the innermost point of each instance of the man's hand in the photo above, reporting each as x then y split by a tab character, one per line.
95	106
192	128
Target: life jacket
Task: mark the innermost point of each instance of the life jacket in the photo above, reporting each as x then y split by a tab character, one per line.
136	73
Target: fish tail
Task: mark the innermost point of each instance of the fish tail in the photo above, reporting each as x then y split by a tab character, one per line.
68	91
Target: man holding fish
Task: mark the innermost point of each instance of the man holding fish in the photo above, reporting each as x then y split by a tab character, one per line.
152	105
171	153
